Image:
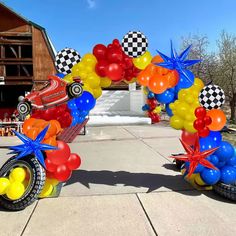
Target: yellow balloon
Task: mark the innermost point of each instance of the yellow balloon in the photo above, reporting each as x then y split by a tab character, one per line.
188	125
176	122
199	180
87	88
198	83
157	110
53	182
93	80
4	184
47	190
68	78
131	81
97	92
145	90
189	99
89	69
182	109
182	94
105	82
75	69
17	174
143	61
190	117
89	59
15	190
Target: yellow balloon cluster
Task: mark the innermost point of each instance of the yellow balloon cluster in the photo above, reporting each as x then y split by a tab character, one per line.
143	61
48	187
86	71
184	107
13	186
196	181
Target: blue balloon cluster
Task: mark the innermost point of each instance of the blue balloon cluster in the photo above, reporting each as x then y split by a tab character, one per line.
224	158
80	107
146	107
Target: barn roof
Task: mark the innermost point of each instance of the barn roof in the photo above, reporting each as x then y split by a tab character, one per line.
42	29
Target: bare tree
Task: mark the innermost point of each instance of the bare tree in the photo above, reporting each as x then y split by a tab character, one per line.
227	75
198	51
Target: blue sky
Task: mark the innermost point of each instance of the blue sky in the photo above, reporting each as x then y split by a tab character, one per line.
81	24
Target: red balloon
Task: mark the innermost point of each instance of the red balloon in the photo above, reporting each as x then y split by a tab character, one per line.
116	43
50	175
74	161
101	68
65	120
199	124
114	71
152	103
189	138
207	120
114	55
61	155
62	173
128	63
51	167
99	51
200	112
204	132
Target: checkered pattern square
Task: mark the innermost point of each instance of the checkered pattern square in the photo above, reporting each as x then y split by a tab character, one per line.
66	59
134	44
212	97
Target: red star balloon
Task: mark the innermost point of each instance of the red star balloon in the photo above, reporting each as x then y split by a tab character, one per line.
195	157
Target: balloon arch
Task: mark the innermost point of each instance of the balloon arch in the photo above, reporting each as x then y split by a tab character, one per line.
193	108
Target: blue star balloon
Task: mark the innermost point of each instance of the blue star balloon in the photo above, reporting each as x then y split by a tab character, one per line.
178	62
30	146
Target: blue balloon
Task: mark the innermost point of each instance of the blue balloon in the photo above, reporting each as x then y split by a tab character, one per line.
60	75
225	151
228	175
185	82
151	95
168	110
166	97
210	176
80	119
220	164
207	143
74	121
72	104
146	107
217	137
214	159
232	161
199	168
84	113
86	101
75	113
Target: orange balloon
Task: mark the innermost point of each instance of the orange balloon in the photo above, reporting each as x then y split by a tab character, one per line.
218	119
51	141
173	78
39	123
158	84
162	70
57	125
151	69
28	125
143	78
33	132
157	59
52	128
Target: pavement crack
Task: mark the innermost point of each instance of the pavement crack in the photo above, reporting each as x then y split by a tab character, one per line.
22	233
146	214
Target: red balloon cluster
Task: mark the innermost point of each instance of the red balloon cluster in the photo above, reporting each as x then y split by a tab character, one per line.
61	162
202	121
60	113
114	63
152	103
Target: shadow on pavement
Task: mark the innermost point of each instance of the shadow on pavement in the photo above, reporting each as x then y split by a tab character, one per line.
146	180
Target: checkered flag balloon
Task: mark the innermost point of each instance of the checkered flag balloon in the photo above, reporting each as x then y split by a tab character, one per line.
66	59
212	97
134	44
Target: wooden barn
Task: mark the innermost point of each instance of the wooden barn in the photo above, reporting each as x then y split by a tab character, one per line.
26	58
